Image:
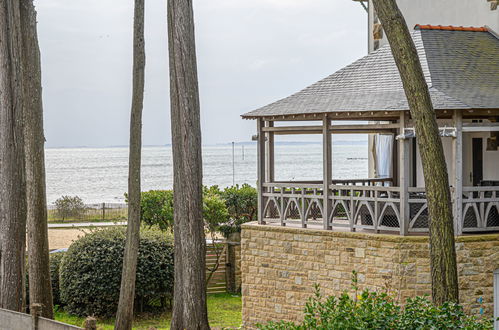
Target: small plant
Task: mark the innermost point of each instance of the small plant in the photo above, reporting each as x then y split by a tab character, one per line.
55	263
242	204
156	208
378	310
70	207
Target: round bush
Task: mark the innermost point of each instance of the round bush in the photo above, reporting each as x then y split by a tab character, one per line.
55	262
90	272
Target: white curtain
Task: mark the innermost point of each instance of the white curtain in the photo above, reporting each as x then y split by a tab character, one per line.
383	151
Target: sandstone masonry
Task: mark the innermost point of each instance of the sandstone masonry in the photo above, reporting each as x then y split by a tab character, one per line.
280	265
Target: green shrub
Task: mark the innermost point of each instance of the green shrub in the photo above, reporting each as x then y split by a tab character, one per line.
242	204
55	260
214	211
156	208
55	263
374	310
90	272
240	207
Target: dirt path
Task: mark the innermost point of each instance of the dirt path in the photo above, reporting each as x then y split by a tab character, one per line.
62	238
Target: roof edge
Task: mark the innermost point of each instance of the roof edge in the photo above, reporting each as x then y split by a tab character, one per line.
450	28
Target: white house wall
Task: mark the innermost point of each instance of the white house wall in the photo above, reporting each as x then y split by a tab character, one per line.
447	144
490	159
442	12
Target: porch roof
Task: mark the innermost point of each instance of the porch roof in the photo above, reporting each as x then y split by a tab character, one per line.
461	67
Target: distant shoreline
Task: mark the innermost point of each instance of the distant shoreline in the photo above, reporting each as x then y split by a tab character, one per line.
250	143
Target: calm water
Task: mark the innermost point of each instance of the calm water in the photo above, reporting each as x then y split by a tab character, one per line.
100	174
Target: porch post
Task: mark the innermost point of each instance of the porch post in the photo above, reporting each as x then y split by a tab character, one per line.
404	177
327	172
269	177
457	177
260	169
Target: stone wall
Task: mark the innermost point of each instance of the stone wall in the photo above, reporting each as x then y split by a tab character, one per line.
280	265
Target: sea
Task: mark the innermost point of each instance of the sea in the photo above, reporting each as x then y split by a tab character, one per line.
99	175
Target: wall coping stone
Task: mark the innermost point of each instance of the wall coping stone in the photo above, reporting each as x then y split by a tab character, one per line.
364	236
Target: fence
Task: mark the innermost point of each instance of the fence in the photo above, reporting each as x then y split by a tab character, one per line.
10	320
91	212
226	276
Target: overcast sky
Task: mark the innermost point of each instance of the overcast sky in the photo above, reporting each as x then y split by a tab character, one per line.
250	53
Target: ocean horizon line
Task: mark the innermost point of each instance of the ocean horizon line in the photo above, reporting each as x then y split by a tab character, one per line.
252	143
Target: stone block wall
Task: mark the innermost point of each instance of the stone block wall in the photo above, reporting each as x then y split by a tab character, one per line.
280	265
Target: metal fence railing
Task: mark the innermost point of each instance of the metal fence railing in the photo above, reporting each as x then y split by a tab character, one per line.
90	212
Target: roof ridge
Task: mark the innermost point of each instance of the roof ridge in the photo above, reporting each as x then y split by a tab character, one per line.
450	28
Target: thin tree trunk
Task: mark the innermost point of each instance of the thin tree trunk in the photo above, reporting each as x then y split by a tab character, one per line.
12	170
442	249
40	288
124	315
189	305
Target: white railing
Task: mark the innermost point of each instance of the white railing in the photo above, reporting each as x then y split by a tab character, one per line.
480	209
370	205
293	202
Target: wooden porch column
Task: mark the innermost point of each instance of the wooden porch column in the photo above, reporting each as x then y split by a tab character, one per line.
327	171
457	173
269	142
260	169
404	177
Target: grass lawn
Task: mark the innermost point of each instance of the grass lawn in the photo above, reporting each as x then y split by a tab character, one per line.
224	310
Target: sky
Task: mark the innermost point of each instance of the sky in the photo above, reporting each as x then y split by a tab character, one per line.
250	53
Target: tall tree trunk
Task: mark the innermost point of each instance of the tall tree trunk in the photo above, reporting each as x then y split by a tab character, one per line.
12	170
40	288
442	249
124	316
189	304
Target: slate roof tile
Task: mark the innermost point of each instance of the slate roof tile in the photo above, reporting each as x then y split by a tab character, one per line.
460	66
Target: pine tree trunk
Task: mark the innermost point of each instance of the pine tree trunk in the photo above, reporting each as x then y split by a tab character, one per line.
12	170
40	288
442	249
124	315
189	305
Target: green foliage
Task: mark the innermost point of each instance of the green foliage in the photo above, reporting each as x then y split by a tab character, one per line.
69	207
90	272
223	210
156	208
214	211
375	310
241	202
55	263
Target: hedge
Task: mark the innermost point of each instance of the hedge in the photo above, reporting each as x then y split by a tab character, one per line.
90	272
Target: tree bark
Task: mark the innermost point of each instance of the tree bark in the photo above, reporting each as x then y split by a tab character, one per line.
12	170
189	306
40	288
442	249
124	316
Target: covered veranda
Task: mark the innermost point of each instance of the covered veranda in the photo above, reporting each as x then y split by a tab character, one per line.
367	97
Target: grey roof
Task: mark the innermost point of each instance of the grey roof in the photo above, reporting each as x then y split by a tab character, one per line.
461	69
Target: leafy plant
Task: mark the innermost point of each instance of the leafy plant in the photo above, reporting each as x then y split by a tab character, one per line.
70	207
242	204
156	208
90	272
378	310
55	263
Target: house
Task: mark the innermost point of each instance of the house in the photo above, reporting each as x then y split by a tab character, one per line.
320	231
461	67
